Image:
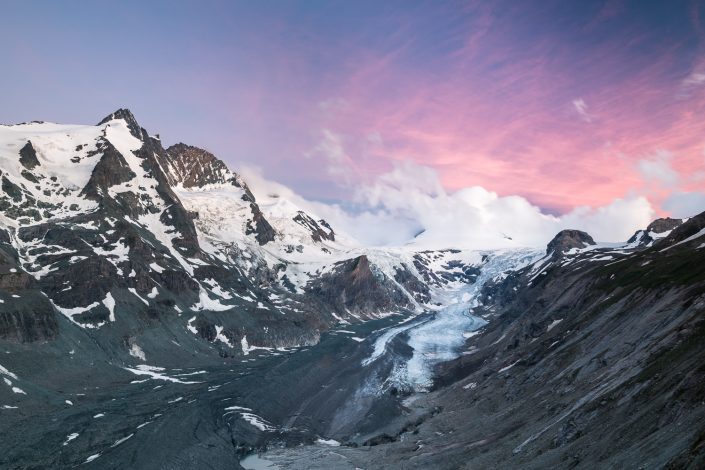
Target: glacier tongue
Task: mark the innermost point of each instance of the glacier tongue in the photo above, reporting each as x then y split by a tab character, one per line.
441	338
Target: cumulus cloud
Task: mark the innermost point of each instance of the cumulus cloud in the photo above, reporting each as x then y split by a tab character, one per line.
478	218
581	108
409	204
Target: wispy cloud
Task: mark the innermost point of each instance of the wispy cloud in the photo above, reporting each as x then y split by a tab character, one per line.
691	83
331	150
333	104
582	109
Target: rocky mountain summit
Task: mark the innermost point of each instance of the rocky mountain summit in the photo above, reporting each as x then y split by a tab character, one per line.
567	240
657	229
156	313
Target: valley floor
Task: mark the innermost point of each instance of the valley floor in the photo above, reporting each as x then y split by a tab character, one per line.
212	414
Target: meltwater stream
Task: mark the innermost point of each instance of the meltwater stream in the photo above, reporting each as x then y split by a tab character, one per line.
441	337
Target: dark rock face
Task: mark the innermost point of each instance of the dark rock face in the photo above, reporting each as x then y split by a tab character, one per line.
319	230
25	313
353	286
640	237
259	226
644	238
566	240
663	225
175	214
193	167
28	156
111	170
413	285
685	231
28	321
12	190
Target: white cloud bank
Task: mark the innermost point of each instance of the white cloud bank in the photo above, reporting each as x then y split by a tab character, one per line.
410	200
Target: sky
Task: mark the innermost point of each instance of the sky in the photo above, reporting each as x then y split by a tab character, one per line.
572	108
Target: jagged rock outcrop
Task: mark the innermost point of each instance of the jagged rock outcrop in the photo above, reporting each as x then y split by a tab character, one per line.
689	233
656	230
125	115
663	225
320	230
567	240
354	286
193	167
259	226
419	290
111	170
28	156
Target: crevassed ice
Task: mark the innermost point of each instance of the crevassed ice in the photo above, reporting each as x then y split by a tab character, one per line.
441	338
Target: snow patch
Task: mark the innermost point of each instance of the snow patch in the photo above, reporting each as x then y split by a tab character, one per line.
206	303
553	324
504	369
120	441
328	442
156	268
219	336
156	373
134	292
136	351
109	303
190	327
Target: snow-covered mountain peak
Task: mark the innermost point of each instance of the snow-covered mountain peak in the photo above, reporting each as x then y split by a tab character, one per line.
53	171
228	208
125	115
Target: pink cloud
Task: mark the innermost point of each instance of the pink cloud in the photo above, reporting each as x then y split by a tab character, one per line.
517	132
